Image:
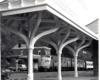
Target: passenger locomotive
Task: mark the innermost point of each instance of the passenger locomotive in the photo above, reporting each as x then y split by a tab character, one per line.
44	61
50	63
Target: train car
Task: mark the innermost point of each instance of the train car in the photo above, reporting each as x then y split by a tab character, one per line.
69	64
89	65
81	64
44	60
54	63
65	63
44	63
73	64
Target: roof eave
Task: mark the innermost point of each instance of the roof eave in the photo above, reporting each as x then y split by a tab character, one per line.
53	9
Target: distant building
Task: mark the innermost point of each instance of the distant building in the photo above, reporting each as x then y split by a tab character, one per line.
20	49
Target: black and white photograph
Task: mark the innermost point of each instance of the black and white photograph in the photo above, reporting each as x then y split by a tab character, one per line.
49	39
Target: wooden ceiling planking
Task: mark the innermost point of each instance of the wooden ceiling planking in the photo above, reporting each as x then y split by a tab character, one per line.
47	22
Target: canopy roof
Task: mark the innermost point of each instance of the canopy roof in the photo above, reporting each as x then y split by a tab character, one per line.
75	12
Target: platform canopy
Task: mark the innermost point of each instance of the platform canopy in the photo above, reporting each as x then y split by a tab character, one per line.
56	22
77	13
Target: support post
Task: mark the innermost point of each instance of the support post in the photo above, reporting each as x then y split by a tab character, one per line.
59	67
30	64
0	40
76	72
17	65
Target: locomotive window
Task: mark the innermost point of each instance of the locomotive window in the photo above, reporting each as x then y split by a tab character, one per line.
47	55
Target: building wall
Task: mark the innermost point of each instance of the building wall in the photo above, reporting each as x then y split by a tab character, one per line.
25	51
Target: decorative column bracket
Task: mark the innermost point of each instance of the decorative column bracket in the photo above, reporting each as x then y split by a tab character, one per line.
34	29
82	42
59	48
71	49
68	42
66	35
83	46
76	51
33	40
16	32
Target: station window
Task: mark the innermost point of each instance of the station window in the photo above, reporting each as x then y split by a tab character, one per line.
47	52
39	52
21	52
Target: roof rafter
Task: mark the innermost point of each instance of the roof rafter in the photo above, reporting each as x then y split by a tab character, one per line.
15	18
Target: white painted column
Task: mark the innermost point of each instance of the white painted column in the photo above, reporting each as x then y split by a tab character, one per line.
30	64
59	67
76	72
17	64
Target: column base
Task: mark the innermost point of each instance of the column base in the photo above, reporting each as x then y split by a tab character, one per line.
76	75
59	77
30	76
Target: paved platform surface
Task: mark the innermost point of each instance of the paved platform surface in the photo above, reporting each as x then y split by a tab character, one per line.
66	75
71	78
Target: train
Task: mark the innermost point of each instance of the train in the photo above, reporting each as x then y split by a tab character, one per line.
44	61
50	63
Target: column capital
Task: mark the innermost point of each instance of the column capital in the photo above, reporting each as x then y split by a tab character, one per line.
59	53
75	55
18	59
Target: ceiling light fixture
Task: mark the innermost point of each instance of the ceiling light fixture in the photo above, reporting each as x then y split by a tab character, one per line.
84	52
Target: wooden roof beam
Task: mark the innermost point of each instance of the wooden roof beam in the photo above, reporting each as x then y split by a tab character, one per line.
15	18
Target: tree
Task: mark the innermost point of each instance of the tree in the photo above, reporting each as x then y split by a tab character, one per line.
8	40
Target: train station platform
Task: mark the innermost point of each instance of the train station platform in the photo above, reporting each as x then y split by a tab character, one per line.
83	75
72	78
66	75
